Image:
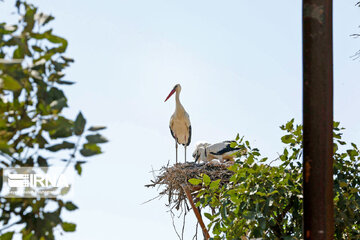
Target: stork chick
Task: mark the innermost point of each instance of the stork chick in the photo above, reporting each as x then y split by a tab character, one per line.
205	152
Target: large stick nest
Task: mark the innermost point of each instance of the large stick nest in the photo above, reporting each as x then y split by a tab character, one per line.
174	178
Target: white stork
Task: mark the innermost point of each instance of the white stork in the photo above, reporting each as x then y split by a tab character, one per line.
205	152
180	126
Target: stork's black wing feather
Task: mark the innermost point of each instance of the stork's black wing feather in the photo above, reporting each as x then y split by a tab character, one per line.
172	133
225	150
189	140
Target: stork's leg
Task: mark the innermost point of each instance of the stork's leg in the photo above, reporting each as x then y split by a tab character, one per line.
185	153
176	146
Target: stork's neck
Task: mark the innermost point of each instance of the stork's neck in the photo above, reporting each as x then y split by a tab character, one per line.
177	97
179	108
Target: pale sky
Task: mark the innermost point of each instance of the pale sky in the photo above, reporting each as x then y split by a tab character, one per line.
239	64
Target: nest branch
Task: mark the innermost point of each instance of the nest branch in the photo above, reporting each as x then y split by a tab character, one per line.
173	178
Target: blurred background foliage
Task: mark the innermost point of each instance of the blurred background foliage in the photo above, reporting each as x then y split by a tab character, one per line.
264	200
33	128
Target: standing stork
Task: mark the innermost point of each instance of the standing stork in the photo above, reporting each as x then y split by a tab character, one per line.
180	126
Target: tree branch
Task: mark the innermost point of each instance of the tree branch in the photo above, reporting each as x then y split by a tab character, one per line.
10	225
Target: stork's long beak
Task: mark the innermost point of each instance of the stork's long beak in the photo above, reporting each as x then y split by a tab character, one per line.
171	93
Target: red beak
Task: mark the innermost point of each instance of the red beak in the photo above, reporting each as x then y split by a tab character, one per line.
171	93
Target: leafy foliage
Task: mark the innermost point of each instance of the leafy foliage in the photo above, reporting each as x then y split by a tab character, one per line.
33	129
265	201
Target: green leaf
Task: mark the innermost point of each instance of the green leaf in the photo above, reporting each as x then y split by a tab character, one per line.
215	184
7	236
233	178
37	49
19	52
195	181
343	184
289	125
70	206
96	138
56	39
96	128
4	146
261	194
65	82
58	128
262	223
42	161
250	160
272	193
6	29
9	83
90	149
250	215
287	139
206	179
335	147
53	217
64	191
78	168
59	104
68	227
52	38
337	136
43	19
233	167
209	216
63	145
223	212
67	59
79	124
28	235
352	153
29	18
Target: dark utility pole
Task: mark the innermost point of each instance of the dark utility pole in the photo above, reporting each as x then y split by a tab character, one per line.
318	119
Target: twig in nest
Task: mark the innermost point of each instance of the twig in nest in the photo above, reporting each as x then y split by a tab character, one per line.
172	178
158	196
183	227
173	223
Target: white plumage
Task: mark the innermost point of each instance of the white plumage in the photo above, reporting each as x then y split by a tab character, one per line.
205	152
180	126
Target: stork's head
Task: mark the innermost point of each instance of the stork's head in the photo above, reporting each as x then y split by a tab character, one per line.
200	152
177	88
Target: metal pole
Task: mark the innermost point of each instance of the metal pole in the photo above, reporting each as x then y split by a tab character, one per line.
318	119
